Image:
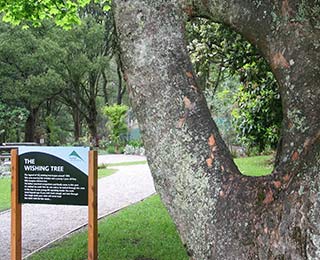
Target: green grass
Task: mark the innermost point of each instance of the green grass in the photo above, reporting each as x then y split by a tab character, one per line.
254	166
106	172
5	193
143	231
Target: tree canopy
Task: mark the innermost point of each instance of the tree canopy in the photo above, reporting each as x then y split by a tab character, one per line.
65	13
51	71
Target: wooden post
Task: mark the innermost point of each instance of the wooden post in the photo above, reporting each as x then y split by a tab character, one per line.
92	207
15	208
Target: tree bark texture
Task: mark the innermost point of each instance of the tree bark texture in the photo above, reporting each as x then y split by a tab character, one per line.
221	214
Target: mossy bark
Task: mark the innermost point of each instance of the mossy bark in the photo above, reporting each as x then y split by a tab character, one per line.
220	213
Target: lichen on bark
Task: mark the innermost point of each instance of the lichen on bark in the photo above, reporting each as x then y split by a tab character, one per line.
219	213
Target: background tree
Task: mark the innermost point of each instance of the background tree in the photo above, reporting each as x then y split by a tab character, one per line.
83	61
226	63
258	115
12	121
81	58
87	56
26	73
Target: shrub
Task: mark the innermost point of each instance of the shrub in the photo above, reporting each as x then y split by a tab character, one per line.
130	149
116	125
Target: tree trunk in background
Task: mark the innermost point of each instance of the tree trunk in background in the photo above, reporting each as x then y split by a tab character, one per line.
221	214
76	124
121	87
105	87
30	126
92	109
48	115
94	139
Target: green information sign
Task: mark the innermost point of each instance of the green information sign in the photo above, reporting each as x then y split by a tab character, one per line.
53	175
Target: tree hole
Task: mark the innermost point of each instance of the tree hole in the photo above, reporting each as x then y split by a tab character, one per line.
241	92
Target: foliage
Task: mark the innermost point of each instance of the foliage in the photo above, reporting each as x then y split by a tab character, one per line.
134	147
27	59
221	102
85	58
65	13
27	73
55	134
257	119
115	148
216	51
56	74
116	123
238	81
130	149
136	143
12	119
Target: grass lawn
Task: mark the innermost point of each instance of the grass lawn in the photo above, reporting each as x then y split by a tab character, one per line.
105	172
140	232
254	166
5	193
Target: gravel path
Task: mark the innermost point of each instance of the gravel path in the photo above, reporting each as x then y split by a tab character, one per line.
44	223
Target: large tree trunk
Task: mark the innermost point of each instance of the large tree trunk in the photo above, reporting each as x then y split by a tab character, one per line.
220	213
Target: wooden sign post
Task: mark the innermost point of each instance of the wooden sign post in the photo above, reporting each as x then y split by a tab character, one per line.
55	167
15	208
93	207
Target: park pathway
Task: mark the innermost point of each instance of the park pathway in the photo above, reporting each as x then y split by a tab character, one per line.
43	224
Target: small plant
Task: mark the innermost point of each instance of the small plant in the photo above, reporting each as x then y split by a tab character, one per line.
130	149
116	124
136	143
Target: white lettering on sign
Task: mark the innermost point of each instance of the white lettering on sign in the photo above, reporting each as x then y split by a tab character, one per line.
34	168
31	167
